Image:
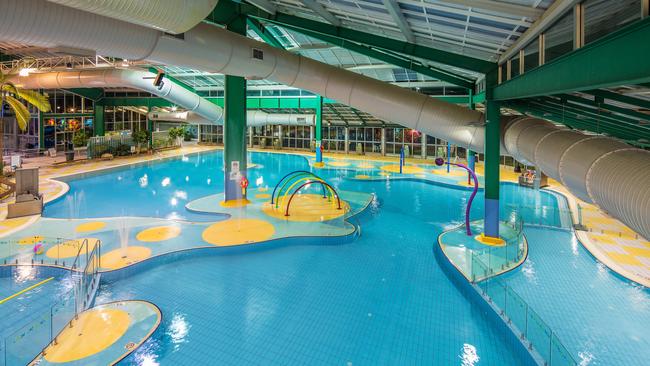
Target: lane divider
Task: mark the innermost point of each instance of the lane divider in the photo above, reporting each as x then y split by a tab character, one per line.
25	290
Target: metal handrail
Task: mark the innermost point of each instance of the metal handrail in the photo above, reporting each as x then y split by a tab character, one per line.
296	173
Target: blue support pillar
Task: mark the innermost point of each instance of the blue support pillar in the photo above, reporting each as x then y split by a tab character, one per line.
471	155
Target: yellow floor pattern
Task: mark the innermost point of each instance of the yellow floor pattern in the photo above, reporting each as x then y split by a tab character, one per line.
238	231
159	233
122	257
306	208
70	248
93	332
406	169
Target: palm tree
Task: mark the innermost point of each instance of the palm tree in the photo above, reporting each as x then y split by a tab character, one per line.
10	94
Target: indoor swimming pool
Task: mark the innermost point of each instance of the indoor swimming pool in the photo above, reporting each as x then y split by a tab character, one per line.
381	298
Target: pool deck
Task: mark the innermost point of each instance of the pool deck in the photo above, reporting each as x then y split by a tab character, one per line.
606	238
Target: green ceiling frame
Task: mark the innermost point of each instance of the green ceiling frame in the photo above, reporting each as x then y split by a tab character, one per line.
606	94
590	121
264	33
617	59
226	10
93	94
601	116
569	118
398	61
598	102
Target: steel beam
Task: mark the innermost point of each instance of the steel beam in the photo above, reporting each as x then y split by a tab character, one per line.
259	29
320	10
396	13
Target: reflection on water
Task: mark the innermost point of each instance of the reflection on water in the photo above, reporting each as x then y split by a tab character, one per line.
469	356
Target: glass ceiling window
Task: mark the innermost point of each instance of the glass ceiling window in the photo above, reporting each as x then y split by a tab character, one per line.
606	16
559	37
403	75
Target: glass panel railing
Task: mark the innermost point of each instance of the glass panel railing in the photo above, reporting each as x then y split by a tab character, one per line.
518	313
28	340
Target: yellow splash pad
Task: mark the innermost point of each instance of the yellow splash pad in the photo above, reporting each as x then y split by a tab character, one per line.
159	233
338	163
235	203
406	169
90	226
306	208
262	195
93	332
362	176
490	241
452	173
365	165
238	231
70	248
120	258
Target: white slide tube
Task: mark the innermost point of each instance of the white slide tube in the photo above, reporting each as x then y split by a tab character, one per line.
254	118
141	80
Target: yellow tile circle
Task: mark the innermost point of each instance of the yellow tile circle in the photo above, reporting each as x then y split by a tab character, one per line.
159	233
31	240
406	169
122	257
93	332
70	248
238	231
90	226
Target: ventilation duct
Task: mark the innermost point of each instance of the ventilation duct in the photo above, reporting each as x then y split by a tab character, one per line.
141	80
254	118
616	178
172	16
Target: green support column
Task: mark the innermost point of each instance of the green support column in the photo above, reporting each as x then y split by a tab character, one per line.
234	128
492	155
150	128
319	132
99	120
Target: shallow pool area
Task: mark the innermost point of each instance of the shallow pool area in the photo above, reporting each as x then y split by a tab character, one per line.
376	295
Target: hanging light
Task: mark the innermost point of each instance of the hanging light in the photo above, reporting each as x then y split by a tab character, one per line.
24	71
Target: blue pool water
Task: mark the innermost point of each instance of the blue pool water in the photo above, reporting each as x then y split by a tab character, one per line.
382	299
602	319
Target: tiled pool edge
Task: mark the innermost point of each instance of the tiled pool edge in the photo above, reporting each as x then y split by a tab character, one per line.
473	294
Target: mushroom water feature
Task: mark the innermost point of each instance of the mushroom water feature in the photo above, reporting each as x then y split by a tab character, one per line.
440	162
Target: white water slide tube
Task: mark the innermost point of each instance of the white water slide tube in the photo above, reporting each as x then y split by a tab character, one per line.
254	118
601	170
141	80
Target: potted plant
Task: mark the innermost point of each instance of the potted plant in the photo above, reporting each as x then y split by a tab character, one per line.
176	134
140	138
79	140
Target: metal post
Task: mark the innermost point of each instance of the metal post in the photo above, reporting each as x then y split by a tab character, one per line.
346	139
401	159
383	141
448	155
319	131
423	144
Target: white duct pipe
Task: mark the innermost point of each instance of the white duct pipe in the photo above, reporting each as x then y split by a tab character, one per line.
172	16
212	49
141	80
254	118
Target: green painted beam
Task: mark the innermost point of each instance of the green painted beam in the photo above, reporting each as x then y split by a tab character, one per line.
587	121
479	98
602	117
614	60
643	103
602	105
226	11
98	123
93	94
403	62
264	33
